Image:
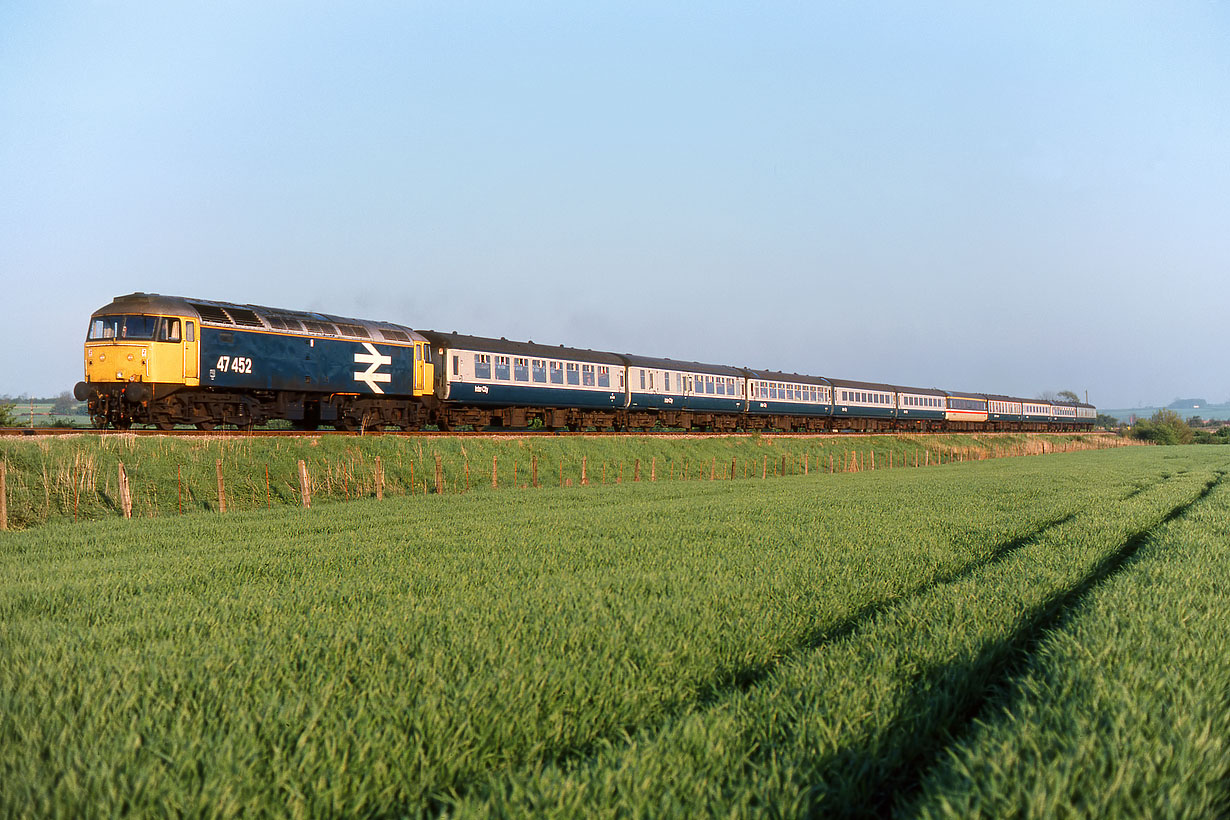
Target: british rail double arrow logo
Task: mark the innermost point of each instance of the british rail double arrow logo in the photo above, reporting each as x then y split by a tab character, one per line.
374	361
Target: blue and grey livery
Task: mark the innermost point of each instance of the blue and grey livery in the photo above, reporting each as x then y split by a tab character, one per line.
171	361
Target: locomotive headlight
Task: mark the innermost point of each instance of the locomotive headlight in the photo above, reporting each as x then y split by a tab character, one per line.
130	357
102	357
119	375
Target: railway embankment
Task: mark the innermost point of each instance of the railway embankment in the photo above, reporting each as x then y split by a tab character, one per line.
86	476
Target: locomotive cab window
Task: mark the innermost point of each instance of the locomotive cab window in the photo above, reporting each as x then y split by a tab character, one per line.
123	327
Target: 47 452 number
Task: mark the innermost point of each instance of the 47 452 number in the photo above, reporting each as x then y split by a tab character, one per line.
234	364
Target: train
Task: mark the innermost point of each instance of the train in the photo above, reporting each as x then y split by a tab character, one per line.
170	361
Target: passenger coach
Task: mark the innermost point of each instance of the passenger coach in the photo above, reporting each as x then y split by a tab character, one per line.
683	394
788	401
494	382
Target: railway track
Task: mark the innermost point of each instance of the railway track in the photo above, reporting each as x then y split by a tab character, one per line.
39	432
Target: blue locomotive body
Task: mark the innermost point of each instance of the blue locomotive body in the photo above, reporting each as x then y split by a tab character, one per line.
241	359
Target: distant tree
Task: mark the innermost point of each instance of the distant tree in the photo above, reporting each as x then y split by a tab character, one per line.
1068	395
1047	395
8	415
64	404
1163	427
1107	422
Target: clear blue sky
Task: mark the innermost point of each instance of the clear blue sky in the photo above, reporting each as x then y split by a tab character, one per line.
1011	198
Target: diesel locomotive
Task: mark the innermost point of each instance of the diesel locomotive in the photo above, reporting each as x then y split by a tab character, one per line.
169	361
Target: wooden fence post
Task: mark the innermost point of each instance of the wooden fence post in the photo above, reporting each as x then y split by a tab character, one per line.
380	479
534	471
125	494
636	475
712	468
4	496
221	488
806	463
733	464
584	471
305	486
495	476
439	475
653	469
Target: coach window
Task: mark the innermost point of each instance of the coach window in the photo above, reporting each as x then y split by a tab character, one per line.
482	366
456	365
574	375
557	373
666	381
501	368
604	377
539	371
587	375
521	370
642	378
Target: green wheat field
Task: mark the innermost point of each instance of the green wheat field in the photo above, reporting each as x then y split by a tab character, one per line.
752	634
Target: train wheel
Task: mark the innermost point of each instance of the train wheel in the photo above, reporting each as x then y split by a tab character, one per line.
205	425
165	425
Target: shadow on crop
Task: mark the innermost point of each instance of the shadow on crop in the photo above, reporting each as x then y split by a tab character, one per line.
873	779
745	678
